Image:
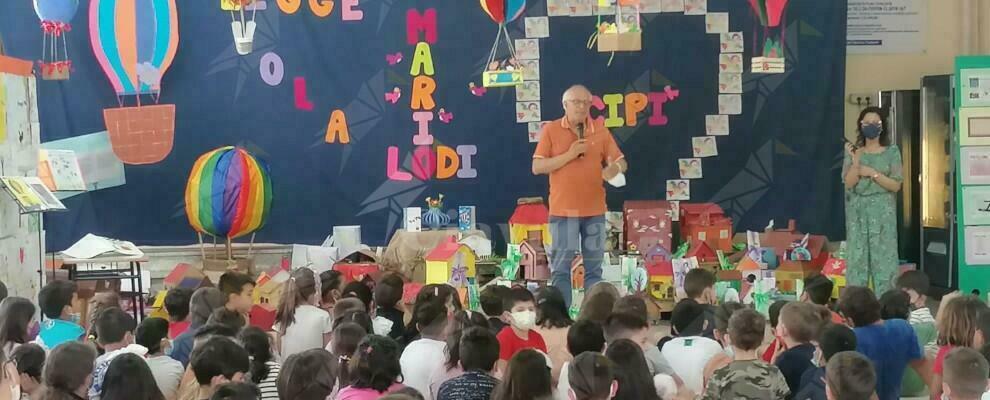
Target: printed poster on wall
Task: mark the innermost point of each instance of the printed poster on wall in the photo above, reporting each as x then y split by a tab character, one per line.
977	240
975	91
976	205
886	26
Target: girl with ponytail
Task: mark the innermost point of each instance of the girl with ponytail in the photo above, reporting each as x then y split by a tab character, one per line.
264	370
300	324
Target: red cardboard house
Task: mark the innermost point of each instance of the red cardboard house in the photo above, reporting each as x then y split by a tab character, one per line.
702	251
781	240
647	224
706	222
535	264
186	276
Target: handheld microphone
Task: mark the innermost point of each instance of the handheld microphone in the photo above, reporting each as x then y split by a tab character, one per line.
580	132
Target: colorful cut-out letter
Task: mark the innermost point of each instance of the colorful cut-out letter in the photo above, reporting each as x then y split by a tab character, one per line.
322	8
425	22
466	171
635	102
658	99
337	128
447	162
422	60
613	101
272	69
302	102
424	162
392	166
423	138
348	12
289	6
422	93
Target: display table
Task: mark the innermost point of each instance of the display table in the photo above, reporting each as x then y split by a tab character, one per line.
110	268
406	250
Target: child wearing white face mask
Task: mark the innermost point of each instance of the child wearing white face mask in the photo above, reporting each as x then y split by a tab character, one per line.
521	336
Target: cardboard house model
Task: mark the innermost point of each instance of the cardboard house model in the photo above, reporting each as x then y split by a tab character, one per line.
358	265
780	240
186	276
577	272
535	265
706	222
263	316
661	283
530	215
268	289
835	269
450	262
702	251
647	224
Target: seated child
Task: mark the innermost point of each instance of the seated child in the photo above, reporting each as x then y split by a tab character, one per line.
628	326
237	288
152	334
458	324
631	373
424	358
346	338
688	352
478	354
850	376
522	317
699	285
818	290
30	361
891	345
375	370
115	333
776	344
388	297
300	324
915	284
491	304
57	301
636	306
723	313
895	304
981	336
217	361
799	325
956	323
965	375
834	339
747	376
584	336
177	305
236	391
592	377
527	377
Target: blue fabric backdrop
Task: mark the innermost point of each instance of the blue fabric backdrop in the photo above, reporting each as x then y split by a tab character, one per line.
781	161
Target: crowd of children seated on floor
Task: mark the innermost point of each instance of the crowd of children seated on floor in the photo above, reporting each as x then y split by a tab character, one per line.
352	342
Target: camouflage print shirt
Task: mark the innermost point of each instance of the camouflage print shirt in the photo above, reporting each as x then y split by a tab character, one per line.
747	380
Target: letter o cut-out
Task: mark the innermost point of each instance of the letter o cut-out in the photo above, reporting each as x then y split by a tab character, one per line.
272	69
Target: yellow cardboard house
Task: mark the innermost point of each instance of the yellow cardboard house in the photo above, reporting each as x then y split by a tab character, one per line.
269	288
530	215
450	262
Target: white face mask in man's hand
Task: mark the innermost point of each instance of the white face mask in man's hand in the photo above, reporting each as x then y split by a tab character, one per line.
619	180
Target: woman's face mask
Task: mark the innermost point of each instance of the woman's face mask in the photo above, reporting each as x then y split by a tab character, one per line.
871	130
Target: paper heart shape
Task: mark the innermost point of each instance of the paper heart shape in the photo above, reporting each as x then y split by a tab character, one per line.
521	115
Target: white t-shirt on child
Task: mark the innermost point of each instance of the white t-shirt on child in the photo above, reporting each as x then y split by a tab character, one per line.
420	361
688	356
307	332
563	383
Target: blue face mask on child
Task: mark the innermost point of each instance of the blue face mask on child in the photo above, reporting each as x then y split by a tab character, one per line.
871	131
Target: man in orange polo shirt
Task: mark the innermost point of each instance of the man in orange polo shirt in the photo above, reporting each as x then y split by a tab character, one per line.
579	154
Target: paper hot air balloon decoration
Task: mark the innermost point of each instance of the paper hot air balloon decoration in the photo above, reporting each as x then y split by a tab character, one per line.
229	194
771	15
625	34
55	16
502	72
135	43
242	28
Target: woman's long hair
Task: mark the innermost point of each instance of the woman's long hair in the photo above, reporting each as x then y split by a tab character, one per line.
67	370
297	291
376	364
16	314
527	377
307	375
551	310
635	381
258	346
884	131
427	295
129	378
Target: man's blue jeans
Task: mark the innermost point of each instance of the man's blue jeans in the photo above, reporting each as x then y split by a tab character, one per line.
572	236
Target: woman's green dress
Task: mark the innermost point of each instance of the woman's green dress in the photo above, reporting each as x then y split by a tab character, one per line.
871	223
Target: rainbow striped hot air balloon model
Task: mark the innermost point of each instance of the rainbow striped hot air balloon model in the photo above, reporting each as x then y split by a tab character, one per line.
506	72
228	195
55	16
135	42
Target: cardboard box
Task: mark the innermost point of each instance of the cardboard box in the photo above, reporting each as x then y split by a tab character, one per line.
630	41
502	78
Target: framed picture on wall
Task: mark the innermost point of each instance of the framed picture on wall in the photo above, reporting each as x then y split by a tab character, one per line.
974	126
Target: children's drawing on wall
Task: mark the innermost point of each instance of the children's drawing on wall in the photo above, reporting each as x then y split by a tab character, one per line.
730	104
732	62
535	130
527	49
690	168
528	111
528	91
695	7
537	27
530	69
729	82
678	189
704	146
732	42
717	125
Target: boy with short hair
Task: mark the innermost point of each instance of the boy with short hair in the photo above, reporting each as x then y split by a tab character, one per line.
688	352
479	352
388	294
916	285
965	373
620	325
491	305
519	335
227	317
892	344
799	325
57	302
699	285
424	357
238	287
115	333
834	339
850	376
747	376
177	305
217	361
583	336
818	290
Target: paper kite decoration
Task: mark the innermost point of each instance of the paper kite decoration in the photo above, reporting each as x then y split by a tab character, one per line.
55	16
229	193
135	43
242	28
